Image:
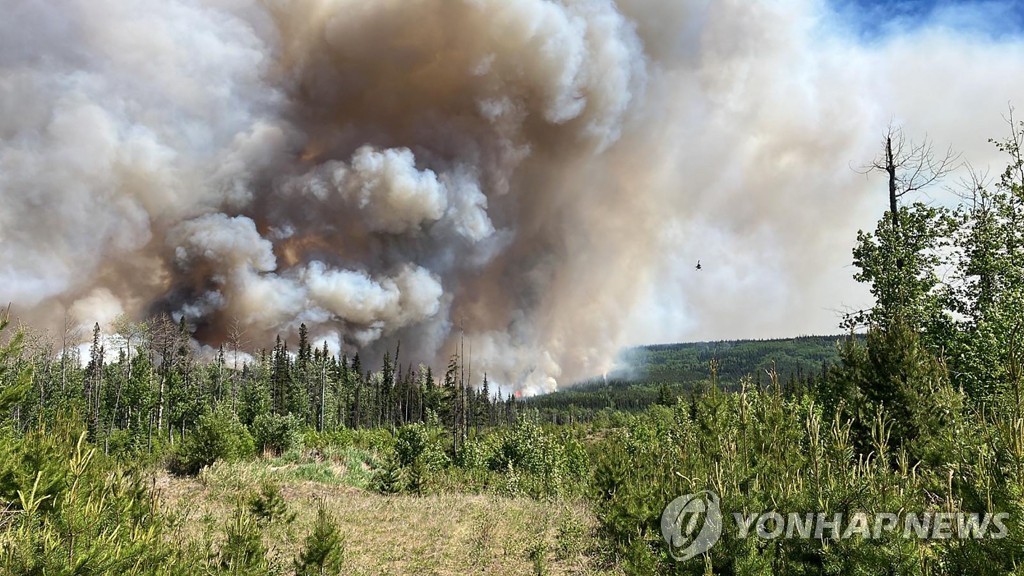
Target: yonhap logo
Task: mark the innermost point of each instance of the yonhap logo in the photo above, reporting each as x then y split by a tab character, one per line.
693	523
682	519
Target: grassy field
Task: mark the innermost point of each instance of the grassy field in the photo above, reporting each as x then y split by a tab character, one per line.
443	533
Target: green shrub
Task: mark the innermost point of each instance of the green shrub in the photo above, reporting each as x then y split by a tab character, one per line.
328	440
418	444
82	513
219	435
416	477
275	433
38	461
410	443
475	453
537	463
388	476
323	552
125	445
521	448
243	550
268	505
377	440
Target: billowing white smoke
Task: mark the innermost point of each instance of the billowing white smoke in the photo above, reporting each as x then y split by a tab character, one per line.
328	162
537	175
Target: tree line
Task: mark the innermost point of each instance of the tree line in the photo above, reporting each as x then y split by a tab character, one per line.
157	387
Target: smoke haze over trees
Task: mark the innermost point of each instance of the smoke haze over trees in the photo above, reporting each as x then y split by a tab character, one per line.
539	176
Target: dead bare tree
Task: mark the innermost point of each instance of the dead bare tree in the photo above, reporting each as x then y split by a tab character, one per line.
909	166
163	334
884	256
128	331
71	334
237	340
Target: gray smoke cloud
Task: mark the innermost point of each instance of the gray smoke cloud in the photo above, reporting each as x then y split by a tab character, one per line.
537	175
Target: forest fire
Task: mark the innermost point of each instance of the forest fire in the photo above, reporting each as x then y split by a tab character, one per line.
354	174
391	172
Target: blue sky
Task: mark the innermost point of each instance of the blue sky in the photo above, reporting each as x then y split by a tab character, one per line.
876	19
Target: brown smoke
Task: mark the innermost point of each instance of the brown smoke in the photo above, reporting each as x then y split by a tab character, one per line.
538	175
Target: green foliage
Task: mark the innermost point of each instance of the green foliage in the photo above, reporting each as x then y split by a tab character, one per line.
329	439
243	550
268	505
521	447
762	451
15	376
537	554
254	397
416	477
323	552
420	444
408	461
987	290
660	373
411	443
81	514
388	476
474	453
735	359
901	266
275	433
219	435
376	440
319	472
537	462
36	462
896	378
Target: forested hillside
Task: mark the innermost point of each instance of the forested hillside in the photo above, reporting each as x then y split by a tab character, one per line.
662	373
735	359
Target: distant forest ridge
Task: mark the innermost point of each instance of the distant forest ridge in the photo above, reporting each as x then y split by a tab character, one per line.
661	373
690	362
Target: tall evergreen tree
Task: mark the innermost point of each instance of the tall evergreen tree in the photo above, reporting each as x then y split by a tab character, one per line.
94	384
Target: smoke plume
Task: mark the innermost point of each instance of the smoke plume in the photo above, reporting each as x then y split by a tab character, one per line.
534	176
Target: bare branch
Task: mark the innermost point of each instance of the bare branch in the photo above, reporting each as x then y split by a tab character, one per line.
236	338
913	166
921	167
971	187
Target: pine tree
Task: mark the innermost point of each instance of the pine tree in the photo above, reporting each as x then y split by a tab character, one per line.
94	384
665	397
384	390
243	551
322	362
308	407
323	552
343	389
356	373
451	388
15	380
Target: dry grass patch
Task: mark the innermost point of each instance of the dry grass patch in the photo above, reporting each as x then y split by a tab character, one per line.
402	535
